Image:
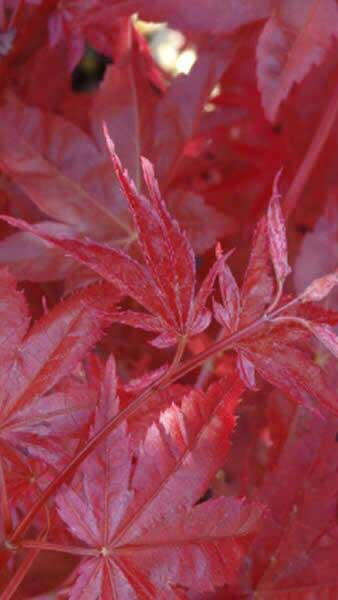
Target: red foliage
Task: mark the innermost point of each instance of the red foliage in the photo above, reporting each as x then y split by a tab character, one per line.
201	463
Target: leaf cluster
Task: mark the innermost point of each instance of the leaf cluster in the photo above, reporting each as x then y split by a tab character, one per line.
168	273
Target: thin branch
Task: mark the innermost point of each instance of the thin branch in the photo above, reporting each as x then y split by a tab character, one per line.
164	381
312	154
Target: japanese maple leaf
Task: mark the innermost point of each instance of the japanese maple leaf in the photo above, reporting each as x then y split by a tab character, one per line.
295	552
64	175
35	404
165	283
295	38
142	534
67	174
280	346
240	309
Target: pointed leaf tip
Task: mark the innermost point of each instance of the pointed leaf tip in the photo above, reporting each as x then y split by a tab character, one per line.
326	336
320	288
109	141
151	183
120	173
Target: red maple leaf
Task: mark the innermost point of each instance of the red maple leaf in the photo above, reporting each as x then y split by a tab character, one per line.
281	348
295	551
141	532
34	360
165	284
125	485
295	37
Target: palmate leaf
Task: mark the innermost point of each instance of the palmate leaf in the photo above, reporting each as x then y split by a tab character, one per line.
35	360
165	285
63	172
282	350
143	535
283	355
67	178
214	153
294	554
66	173
171	262
295	38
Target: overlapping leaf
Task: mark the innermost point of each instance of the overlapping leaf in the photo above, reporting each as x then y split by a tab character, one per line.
203	224
63	172
295	38
140	528
301	539
127	518
280	348
35	360
181	109
165	285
